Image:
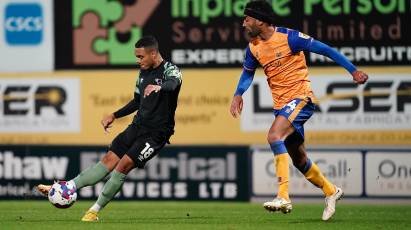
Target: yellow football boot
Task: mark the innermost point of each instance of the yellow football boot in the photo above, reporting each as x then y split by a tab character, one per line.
90	216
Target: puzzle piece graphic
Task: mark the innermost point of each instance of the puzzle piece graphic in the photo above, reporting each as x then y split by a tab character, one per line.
83	38
119	53
107	10
136	14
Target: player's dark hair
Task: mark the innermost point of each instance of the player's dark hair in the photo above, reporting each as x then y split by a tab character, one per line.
147	42
260	10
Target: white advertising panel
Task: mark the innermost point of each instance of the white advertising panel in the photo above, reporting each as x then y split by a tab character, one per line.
26	35
35	105
388	174
257	114
383	103
342	168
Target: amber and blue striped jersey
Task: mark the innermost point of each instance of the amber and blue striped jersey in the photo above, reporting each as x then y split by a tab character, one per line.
283	60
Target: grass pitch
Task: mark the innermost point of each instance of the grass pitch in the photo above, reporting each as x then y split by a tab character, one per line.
200	215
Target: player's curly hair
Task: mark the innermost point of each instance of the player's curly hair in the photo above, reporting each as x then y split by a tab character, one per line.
147	41
260	10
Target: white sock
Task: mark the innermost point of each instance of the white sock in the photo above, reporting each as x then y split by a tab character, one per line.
95	207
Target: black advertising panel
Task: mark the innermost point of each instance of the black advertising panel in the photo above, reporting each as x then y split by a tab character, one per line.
178	173
23	167
368	32
209	33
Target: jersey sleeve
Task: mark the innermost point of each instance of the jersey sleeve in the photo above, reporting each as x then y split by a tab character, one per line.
250	62
325	50
245	81
172	77
302	42
129	108
137	89
298	41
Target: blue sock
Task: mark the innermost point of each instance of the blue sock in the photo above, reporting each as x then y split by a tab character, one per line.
278	147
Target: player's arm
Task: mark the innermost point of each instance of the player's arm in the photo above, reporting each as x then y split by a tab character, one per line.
245	81
246	78
172	79
129	108
301	42
318	47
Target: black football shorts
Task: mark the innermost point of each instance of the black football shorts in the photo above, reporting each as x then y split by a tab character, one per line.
139	144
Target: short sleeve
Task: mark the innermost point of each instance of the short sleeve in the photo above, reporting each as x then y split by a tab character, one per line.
172	71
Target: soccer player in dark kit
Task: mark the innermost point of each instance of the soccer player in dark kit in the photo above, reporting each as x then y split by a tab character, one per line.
155	100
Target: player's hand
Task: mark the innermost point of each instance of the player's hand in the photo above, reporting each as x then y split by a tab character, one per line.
150	88
107	121
359	77
236	106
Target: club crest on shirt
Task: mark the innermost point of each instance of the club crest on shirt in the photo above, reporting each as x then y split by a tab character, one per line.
302	35
278	54
159	81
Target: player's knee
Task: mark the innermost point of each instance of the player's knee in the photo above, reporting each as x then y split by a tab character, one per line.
110	160
273	137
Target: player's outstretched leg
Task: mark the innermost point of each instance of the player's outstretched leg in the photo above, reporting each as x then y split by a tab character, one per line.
330	202
89	176
92	175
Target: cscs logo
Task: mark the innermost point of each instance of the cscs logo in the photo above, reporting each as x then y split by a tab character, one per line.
23	24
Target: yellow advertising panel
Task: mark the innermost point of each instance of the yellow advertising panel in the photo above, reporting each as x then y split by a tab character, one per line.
202	114
66	107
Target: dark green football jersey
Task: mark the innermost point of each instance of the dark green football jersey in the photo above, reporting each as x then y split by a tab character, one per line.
157	110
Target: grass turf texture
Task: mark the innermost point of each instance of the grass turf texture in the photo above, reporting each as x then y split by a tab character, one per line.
200	215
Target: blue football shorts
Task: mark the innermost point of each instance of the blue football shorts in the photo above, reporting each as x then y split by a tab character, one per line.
297	111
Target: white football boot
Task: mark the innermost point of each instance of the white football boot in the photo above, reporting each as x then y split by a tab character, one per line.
330	202
278	204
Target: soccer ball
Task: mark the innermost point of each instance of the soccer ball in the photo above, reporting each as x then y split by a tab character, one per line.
63	194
